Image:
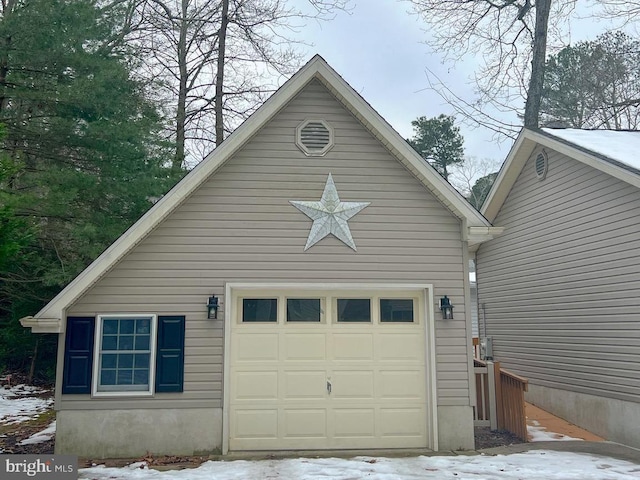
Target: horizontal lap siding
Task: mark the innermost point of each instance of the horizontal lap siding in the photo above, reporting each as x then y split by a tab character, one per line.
240	227
561	287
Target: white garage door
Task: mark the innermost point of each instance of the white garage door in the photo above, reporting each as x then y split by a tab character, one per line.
328	370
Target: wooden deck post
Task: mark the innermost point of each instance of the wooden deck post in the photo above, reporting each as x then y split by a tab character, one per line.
500	423
493	411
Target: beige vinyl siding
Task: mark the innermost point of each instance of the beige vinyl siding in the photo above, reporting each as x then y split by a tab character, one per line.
240	227
561	287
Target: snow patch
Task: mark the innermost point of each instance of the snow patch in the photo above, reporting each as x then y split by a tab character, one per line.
17	405
534	465
539	434
41	437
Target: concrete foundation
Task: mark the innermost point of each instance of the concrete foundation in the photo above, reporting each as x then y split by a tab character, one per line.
455	428
614	420
132	433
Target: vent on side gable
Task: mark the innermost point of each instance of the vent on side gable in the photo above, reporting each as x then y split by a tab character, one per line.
541	165
314	137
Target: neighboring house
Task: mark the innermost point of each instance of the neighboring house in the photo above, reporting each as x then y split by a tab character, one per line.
560	289
327	243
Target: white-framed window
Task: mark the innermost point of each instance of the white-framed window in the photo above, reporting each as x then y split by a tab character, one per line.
125	350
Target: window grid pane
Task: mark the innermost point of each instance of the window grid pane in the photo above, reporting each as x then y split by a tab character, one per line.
354	310
124	355
303	310
396	310
260	310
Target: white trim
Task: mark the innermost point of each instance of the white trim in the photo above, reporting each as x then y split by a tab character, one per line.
432	387
430	341
521	151
152	356
315	68
226	370
42	325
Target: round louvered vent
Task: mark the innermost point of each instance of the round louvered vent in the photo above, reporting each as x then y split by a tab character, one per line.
314	137
541	165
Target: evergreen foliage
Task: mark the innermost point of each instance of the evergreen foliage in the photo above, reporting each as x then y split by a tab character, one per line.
438	141
594	84
80	158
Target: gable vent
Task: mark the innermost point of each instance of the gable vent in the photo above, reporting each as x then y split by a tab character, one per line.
541	165
314	137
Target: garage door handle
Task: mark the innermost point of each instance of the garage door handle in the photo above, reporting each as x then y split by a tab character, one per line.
329	387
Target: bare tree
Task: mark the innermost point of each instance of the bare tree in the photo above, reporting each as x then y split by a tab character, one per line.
474	177
511	37
214	62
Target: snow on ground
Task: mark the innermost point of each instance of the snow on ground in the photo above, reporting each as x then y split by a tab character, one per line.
534	465
41	437
17	403
538	433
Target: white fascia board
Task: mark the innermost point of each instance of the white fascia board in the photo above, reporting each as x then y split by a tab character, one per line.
507	176
593	160
394	141
168	203
42	325
521	151
478	235
316	67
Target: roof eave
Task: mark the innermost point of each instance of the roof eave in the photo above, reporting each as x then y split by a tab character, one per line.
42	325
521	151
315	68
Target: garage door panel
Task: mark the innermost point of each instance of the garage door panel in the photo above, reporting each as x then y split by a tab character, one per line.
402	422
353	346
255	386
305	347
355	384
256	424
304	384
328	384
402	384
255	347
354	422
304	423
401	347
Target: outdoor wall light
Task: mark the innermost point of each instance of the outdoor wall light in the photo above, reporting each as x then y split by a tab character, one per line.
212	307
447	308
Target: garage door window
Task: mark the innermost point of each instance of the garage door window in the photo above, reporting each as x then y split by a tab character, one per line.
303	310
396	310
260	310
354	310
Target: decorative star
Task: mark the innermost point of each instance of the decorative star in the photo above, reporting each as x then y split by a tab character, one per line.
329	215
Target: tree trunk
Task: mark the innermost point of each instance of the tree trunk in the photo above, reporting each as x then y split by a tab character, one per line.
32	369
536	82
181	110
222	40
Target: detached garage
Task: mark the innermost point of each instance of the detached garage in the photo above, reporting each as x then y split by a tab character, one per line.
285	295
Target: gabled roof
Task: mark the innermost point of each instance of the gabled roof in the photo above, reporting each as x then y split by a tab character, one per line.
477	228
615	152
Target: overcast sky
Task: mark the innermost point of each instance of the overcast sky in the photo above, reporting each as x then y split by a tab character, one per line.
379	49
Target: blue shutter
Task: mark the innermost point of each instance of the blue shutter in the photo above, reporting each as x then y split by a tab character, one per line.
170	354
78	355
